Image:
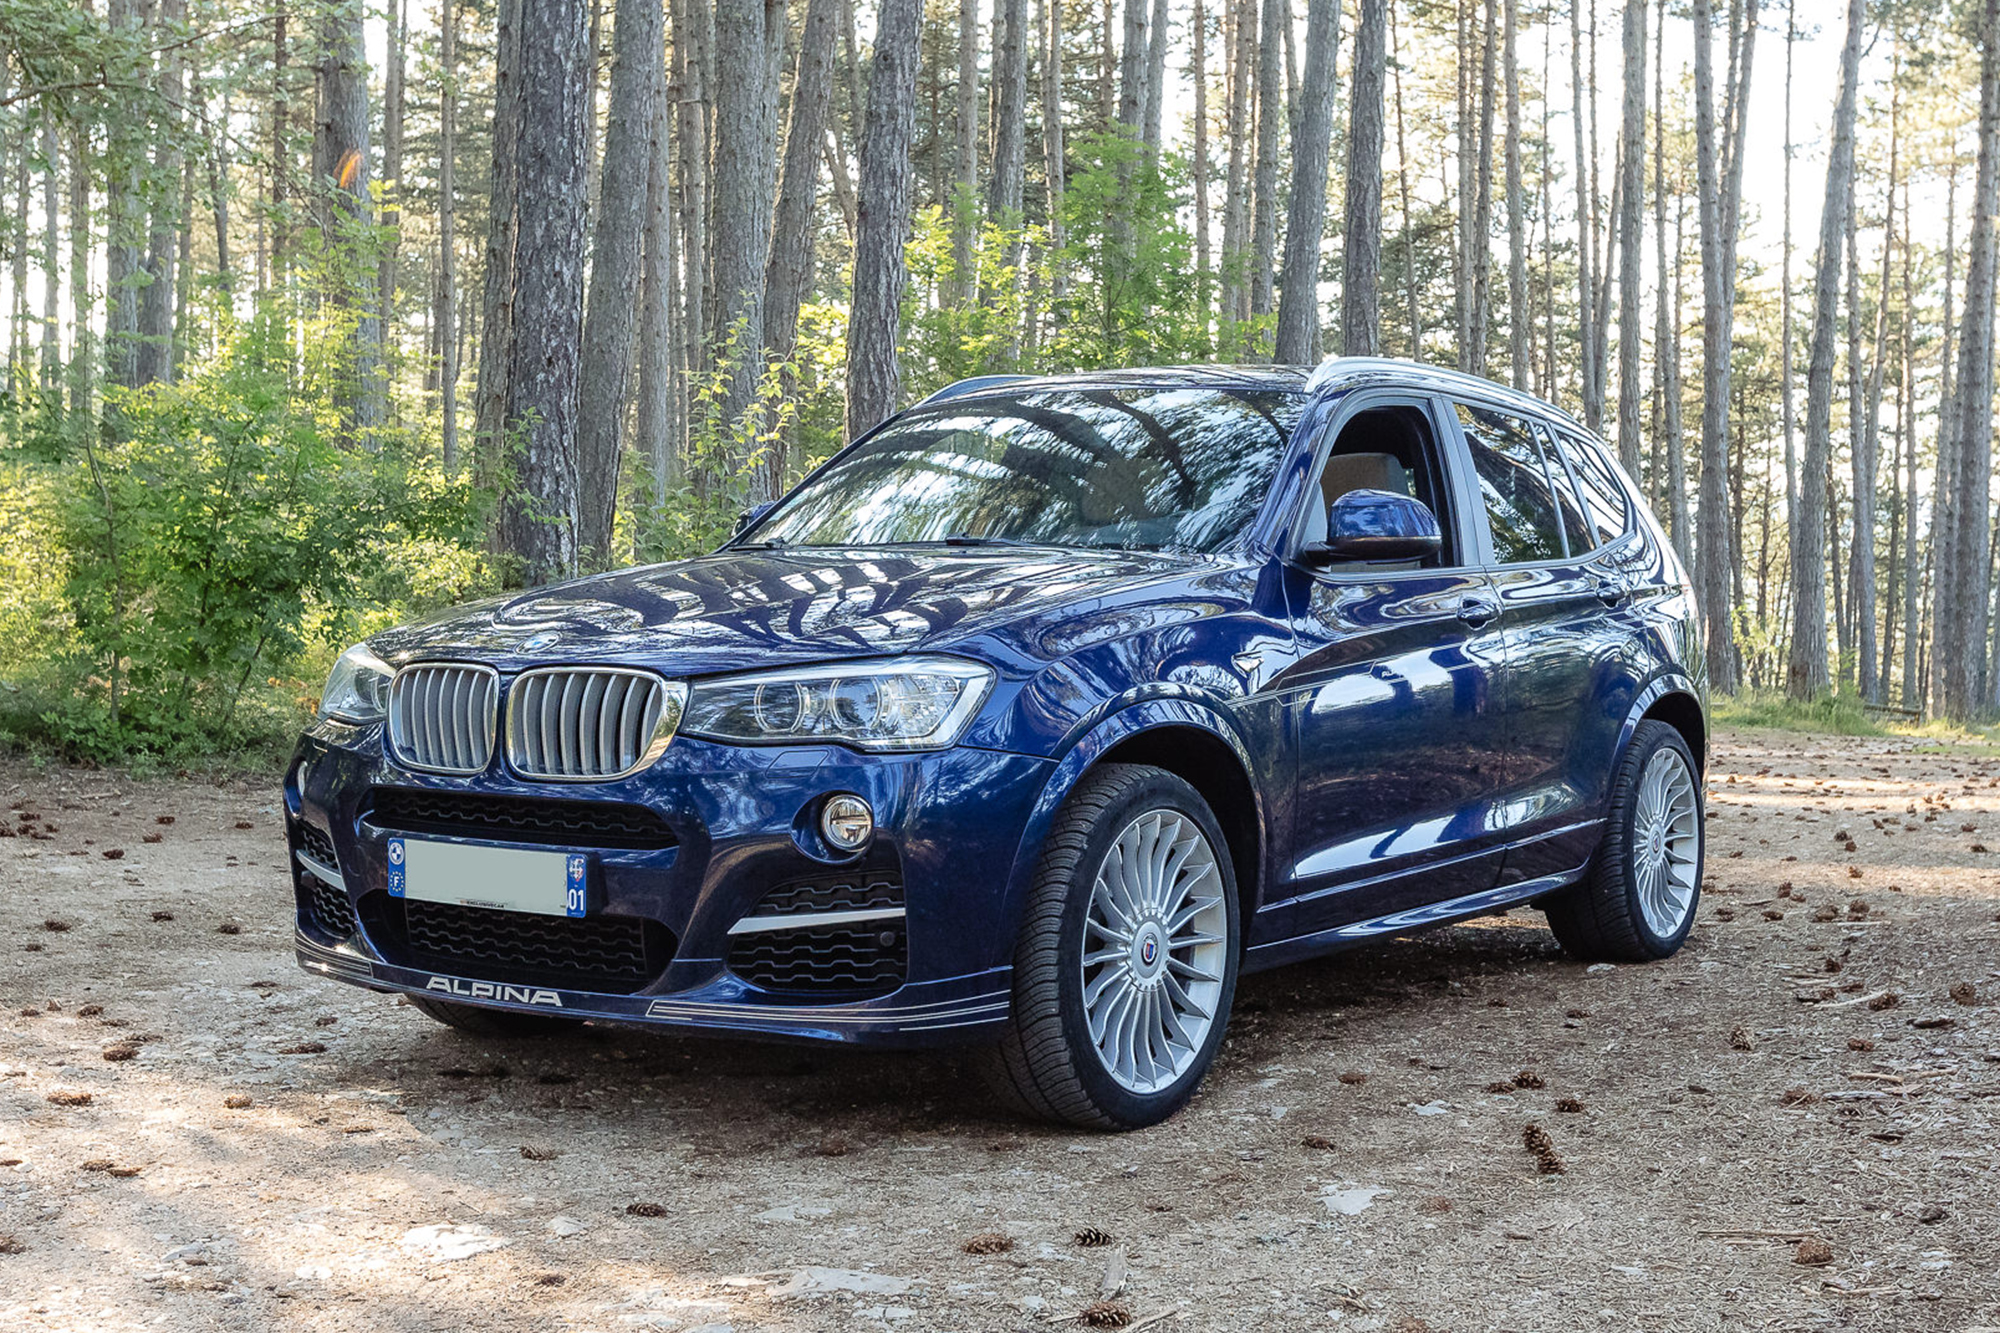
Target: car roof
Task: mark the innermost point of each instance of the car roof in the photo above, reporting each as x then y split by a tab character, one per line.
1334	373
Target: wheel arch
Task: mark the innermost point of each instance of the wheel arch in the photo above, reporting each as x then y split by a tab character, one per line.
1671	698
1194	743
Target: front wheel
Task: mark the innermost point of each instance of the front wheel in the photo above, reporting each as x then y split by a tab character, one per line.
1125	967
1637	901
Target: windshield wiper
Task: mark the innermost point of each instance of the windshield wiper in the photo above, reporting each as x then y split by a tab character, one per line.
768	544
967	539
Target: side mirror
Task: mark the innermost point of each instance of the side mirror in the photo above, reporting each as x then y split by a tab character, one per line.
1377	525
751	515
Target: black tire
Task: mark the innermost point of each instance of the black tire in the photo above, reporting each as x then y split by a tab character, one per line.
478	1022
1046	1066
1599	919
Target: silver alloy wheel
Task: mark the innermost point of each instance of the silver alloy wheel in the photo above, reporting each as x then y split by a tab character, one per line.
1155	949
1666	842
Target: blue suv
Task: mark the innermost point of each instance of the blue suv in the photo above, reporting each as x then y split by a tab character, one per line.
1031	721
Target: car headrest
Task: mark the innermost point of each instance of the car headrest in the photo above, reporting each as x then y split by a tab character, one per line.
1356	472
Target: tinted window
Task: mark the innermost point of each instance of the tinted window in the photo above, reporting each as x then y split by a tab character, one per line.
1521	504
1576	526
1602	493
1175	468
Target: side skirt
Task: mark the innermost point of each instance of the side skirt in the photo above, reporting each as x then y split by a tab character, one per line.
1278	952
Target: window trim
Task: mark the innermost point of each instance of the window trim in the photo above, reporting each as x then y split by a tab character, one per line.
1626	501
1466	537
1484	521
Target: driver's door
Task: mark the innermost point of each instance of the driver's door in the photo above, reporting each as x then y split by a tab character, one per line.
1391	704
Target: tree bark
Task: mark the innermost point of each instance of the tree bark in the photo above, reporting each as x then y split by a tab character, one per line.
740	206
1631	297
342	207
611	317
657	434
1961	607
1414	310
538	515
1719	191
83	347
1806	674
1519	317
788	272
125	222
496	320
1132	55
1010	113
874	379
1270	118
393	98
1156	76
1586	243
1053	162
1236	210
51	261
1482	210
446	316
1361	232
1298	305
156	301
964	218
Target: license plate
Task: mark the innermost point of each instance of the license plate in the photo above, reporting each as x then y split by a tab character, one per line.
506	878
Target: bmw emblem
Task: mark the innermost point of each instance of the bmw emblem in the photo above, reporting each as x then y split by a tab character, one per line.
539	642
1149	949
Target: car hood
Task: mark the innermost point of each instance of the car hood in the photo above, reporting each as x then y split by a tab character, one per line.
733	611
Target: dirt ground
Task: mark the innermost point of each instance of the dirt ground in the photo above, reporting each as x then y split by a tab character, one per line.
1795	1124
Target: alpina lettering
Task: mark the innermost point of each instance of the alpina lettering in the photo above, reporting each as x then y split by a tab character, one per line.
487	990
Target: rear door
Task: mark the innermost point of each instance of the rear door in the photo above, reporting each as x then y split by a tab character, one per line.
1561	645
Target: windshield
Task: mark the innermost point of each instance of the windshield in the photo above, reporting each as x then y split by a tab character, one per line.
1149	469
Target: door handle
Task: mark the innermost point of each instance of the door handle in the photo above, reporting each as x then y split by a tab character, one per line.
1476	611
1609	591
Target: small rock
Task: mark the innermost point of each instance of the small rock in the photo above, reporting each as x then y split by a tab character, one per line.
445	1242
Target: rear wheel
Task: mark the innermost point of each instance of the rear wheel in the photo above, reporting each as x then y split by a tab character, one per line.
491	1022
1126	963
1637	902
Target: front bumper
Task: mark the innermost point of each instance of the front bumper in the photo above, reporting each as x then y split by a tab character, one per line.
949	831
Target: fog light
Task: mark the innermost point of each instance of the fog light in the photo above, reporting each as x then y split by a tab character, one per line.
847	822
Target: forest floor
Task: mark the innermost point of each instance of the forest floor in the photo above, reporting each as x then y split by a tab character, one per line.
1795	1124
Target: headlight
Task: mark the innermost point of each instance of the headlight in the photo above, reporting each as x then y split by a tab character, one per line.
911	703
357	690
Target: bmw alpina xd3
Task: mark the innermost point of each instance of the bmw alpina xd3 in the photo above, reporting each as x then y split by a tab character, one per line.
1032	720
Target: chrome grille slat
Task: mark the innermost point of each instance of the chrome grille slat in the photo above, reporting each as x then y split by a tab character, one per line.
587	724
441	717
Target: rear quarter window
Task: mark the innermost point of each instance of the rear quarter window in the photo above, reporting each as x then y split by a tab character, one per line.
1602	493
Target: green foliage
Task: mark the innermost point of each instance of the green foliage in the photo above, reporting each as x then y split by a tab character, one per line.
221	538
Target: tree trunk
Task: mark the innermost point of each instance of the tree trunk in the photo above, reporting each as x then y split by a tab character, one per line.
1270	118
1482	211
1719	192
538	518
1670	481
1010	118
1806	674
1053	162
788	273
1415	307
342	206
1236	211
694	37
657	434
1156	76
125	222
1298	306
874	379
1361	232
740	206
1132	55
82	347
1204	255
1519	320
496	322
1785	348
446	316
964	216
1631	297
393	97
51	260
1961	609
611	317
1586	243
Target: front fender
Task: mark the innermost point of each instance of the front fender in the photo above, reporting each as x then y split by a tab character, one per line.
1086	750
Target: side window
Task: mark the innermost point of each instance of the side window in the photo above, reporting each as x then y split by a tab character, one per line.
1602	493
1521	506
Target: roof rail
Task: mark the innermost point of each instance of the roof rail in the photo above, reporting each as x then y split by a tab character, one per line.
972	384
